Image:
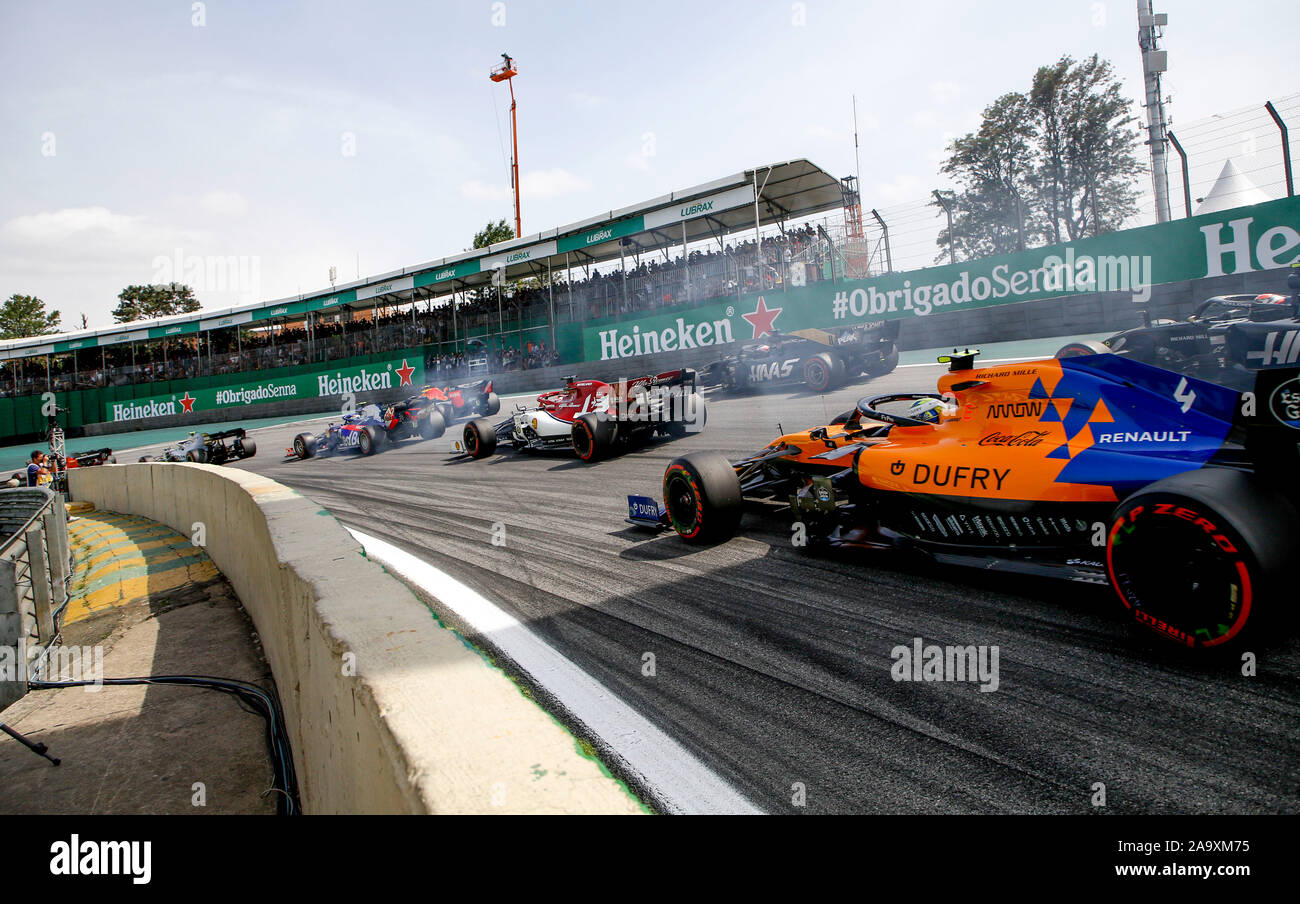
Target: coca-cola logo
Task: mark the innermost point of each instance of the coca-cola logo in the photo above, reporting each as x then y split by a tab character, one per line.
1028	438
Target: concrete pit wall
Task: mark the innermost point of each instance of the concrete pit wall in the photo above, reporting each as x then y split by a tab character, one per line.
425	725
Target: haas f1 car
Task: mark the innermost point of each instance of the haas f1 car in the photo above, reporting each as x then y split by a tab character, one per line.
1180	494
370	429
209	448
1225	341
819	359
594	419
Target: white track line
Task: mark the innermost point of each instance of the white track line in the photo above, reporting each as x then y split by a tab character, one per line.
680	781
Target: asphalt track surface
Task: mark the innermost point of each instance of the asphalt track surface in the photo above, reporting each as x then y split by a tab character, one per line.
772	664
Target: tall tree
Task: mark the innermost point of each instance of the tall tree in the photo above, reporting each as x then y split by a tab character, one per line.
1088	164
994	166
148	302
500	231
25	315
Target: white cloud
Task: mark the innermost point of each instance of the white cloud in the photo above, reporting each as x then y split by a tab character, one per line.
537	185
224	203
945	92
58	225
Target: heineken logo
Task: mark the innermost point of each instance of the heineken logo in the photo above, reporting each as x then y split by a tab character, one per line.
616	343
129	411
362	382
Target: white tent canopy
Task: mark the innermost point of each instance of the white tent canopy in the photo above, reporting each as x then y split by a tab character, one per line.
1232	189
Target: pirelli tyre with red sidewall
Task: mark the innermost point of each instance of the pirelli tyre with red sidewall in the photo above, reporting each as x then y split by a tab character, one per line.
479	438
1203	558
702	498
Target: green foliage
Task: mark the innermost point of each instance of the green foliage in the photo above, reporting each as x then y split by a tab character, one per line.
492	233
22	316
1055	164
148	302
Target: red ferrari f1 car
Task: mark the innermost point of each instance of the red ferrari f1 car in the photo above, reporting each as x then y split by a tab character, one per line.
1178	493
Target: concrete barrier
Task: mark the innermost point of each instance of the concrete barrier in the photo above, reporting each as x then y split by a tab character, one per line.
388	711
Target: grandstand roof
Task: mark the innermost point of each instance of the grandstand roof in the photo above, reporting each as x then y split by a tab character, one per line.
792	189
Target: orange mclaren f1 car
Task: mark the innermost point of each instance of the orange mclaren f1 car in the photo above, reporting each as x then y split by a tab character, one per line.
1181	494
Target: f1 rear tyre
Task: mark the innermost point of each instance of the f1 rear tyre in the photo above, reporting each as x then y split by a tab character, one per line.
492	404
1201	558
1081	348
593	437
432	425
703	499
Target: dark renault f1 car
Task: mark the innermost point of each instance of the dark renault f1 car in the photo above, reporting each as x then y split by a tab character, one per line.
592	419
209	448
822	360
1181	494
1225	341
370	429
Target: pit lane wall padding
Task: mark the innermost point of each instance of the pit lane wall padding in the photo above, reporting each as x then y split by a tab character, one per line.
387	710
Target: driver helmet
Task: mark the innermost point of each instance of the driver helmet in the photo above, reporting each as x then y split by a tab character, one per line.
932	411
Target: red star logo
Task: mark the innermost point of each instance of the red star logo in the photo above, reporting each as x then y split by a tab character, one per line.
761	319
188	403
405	372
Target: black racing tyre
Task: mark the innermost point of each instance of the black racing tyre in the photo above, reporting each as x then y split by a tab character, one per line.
480	438
199	456
432	425
823	372
492	404
702	495
144	458
1081	348
593	437
448	412
304	445
247	448
887	364
1201	558
369	440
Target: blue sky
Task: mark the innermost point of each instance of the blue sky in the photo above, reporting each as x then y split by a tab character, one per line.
128	133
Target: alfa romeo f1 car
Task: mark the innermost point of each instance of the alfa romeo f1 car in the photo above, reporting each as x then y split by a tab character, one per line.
1225	341
370	429
820	359
1179	493
209	448
594	419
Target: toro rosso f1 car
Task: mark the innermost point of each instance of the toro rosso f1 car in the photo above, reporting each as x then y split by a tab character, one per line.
209	448
819	359
1180	494
1225	341
370	429
594	419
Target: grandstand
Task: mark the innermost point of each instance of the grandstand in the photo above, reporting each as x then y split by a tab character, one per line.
679	249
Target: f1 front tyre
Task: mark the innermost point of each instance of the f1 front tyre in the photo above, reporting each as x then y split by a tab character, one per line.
480	438
703	499
304	445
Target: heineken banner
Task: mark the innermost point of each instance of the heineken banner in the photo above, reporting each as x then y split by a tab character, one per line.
1261	237
356	382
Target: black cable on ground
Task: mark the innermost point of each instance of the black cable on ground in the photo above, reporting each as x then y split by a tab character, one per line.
259	700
